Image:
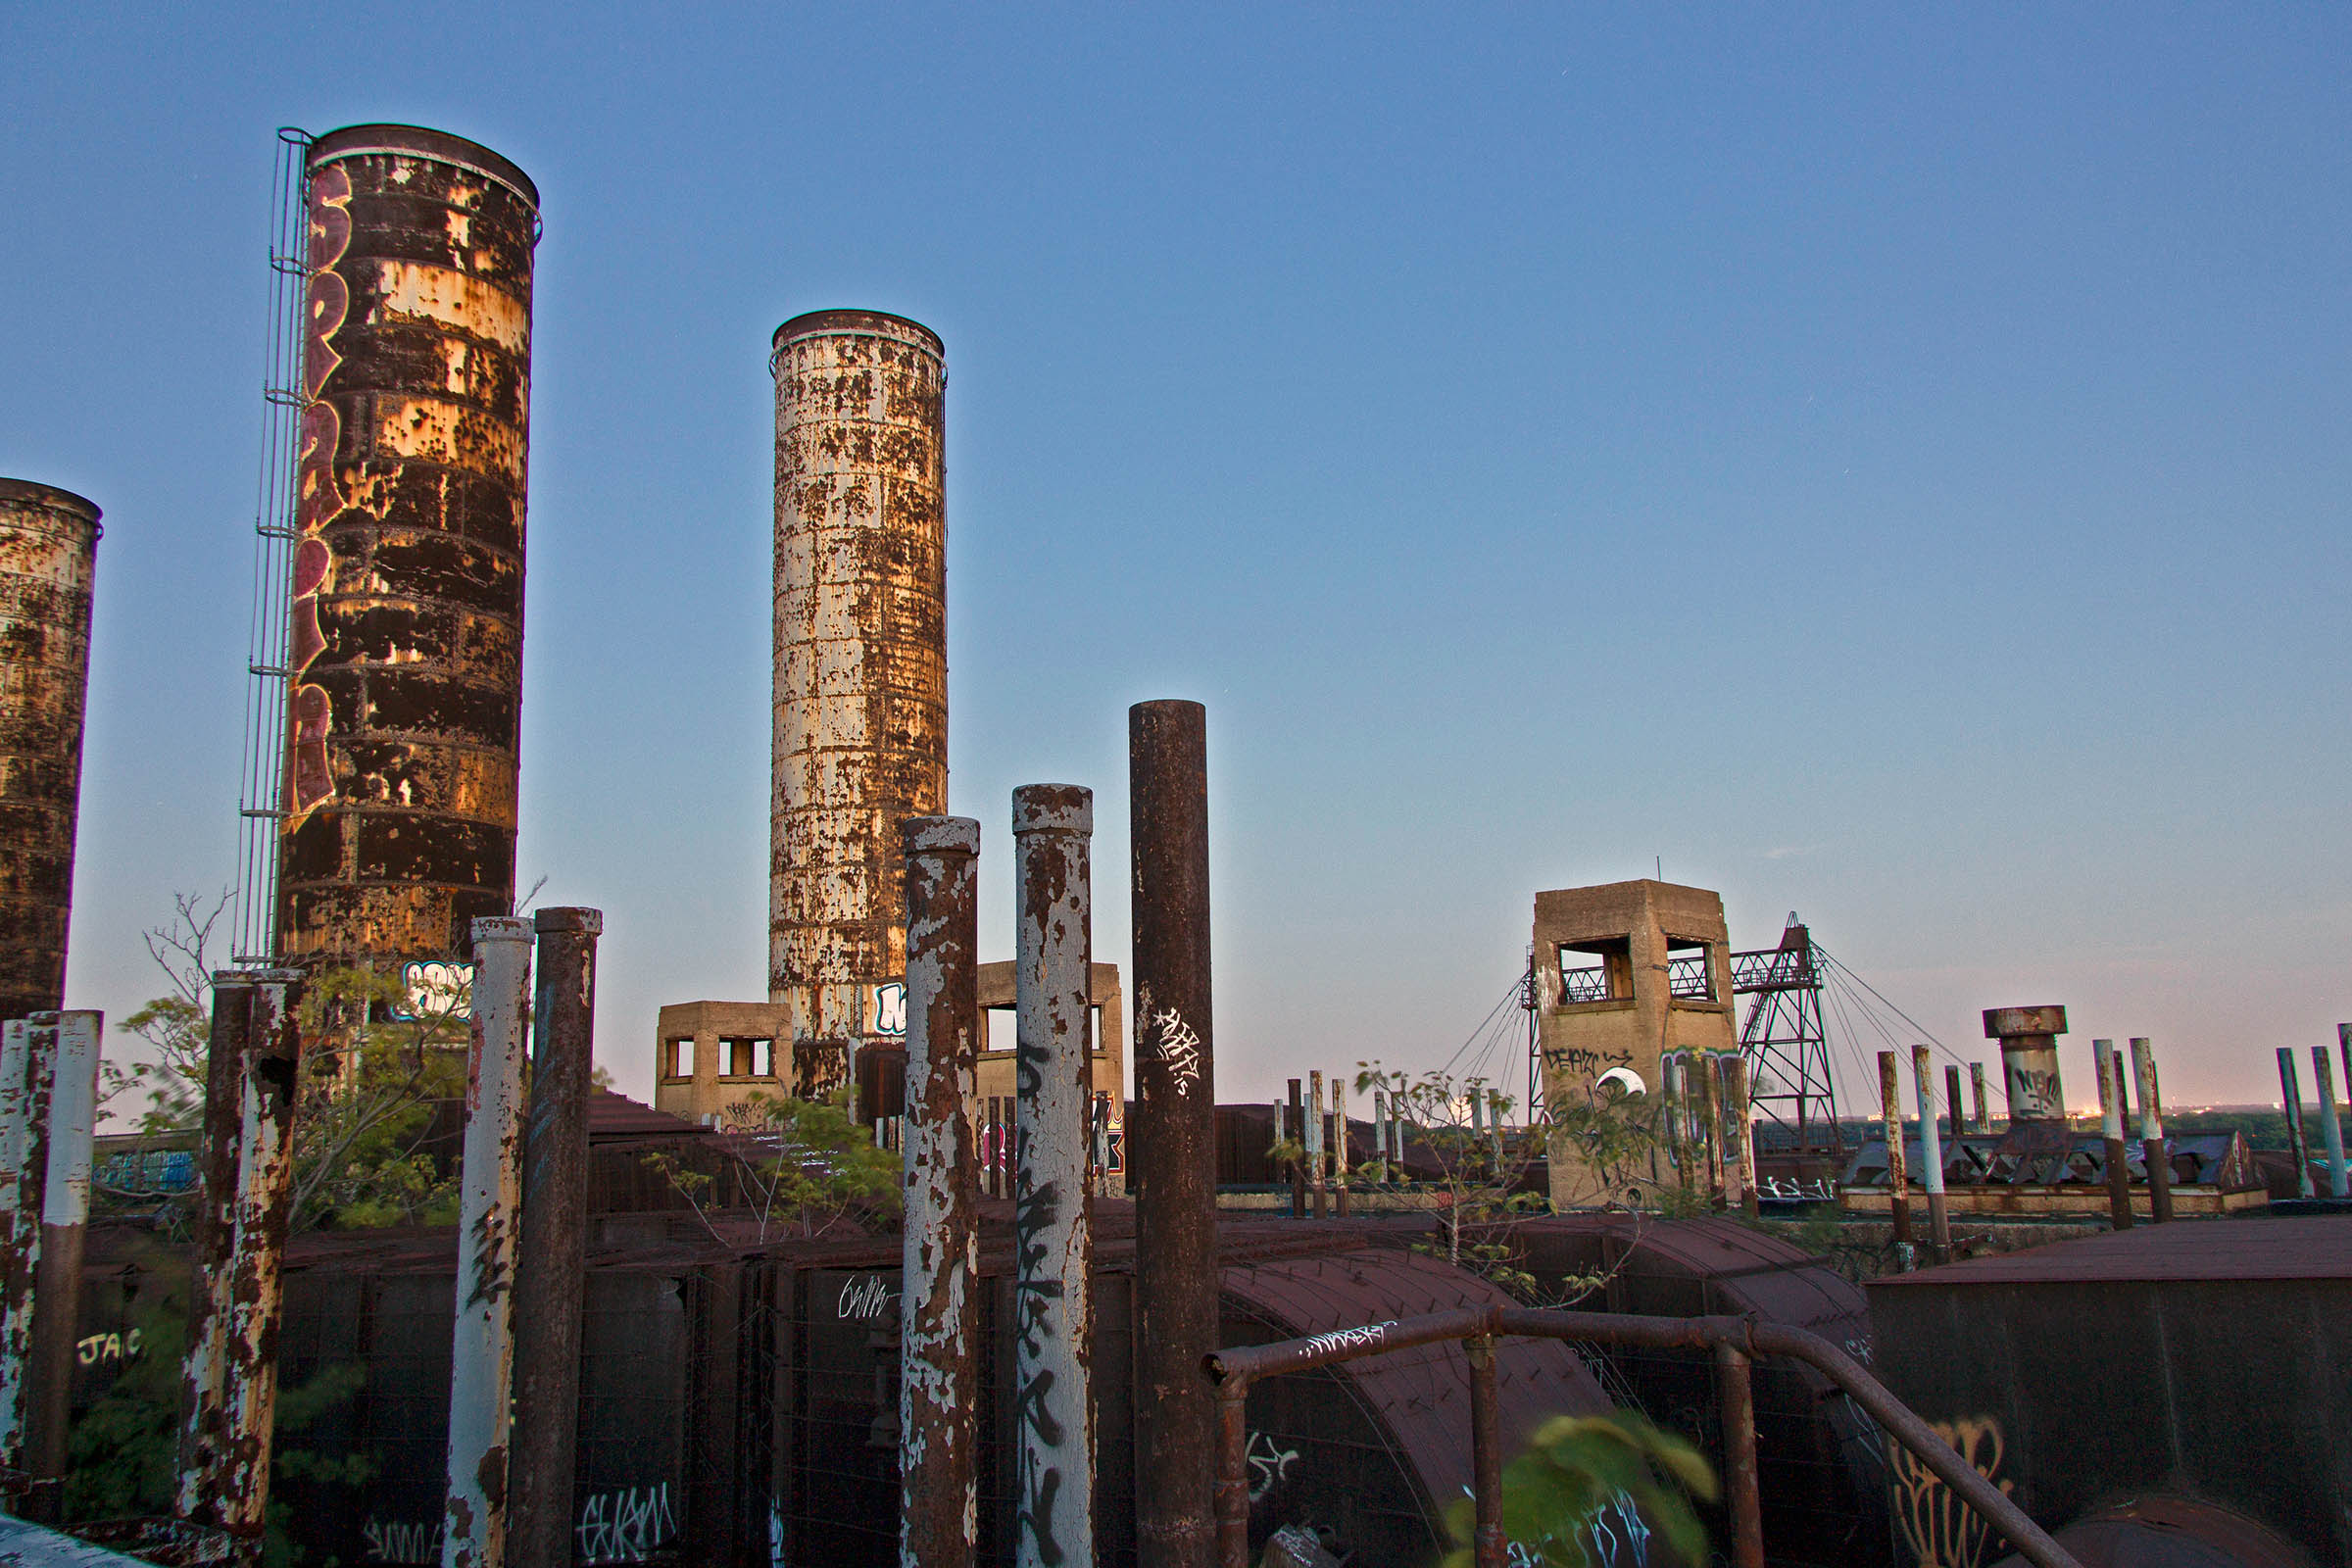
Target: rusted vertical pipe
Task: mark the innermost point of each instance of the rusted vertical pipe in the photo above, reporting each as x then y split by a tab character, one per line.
2332	1131
473	1521
1710	1132
1398	1109
26	1075
1053	1233
551	1262
1314	1145
1488	1547
234	1493
939	1323
1951	1101
1339	1140
2290	1100
1975	1095
2151	1133
1931	1156
64	1219
2111	1132
1175	1077
1232	1473
1380	1134
1494	1128
1898	1180
2344	1053
204	1388
1294	1126
1743	1134
1736	1394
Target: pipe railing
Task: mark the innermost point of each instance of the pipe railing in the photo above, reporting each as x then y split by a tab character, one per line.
1734	1342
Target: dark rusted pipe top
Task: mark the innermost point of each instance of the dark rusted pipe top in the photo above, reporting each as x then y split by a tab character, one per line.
815	323
32	492
2002	1023
419	141
591	921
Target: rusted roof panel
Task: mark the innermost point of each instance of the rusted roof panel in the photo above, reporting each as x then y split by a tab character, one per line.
1422	1395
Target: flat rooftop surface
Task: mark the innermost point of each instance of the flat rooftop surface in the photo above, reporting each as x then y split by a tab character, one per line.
2310	1247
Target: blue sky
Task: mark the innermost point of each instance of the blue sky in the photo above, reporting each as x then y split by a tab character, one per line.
1884	463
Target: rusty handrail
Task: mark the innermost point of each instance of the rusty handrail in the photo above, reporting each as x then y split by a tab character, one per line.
1733	1339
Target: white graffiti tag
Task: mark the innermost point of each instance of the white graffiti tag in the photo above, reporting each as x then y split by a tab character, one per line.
868	1297
1269	1468
626	1526
1179	1048
389	1540
1350	1339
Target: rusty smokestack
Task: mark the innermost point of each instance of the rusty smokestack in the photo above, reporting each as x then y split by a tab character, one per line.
48	560
473	1526
1983	1112
1053	1331
1176	1154
861	739
939	1366
551	1263
2029	1038
406	650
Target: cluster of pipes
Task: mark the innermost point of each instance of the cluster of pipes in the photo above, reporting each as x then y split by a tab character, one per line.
2331	1127
2030	1063
1173	1167
518	1287
1710	1132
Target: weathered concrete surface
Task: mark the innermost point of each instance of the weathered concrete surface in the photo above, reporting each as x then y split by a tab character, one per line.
1635	1012
48	560
861	739
406	647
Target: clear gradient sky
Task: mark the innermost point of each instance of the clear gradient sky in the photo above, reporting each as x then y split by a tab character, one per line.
1882	463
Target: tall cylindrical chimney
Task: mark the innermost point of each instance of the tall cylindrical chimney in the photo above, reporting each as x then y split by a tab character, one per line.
48	557
406	653
860	661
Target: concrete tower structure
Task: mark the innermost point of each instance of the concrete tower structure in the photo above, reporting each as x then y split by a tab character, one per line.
406	647
861	667
48	559
1628	975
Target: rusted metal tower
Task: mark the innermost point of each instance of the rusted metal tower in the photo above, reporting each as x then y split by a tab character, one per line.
48	559
860	661
405	658
1784	1044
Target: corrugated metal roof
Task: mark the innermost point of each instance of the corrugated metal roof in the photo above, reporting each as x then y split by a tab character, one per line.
1421	1396
2255	1248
